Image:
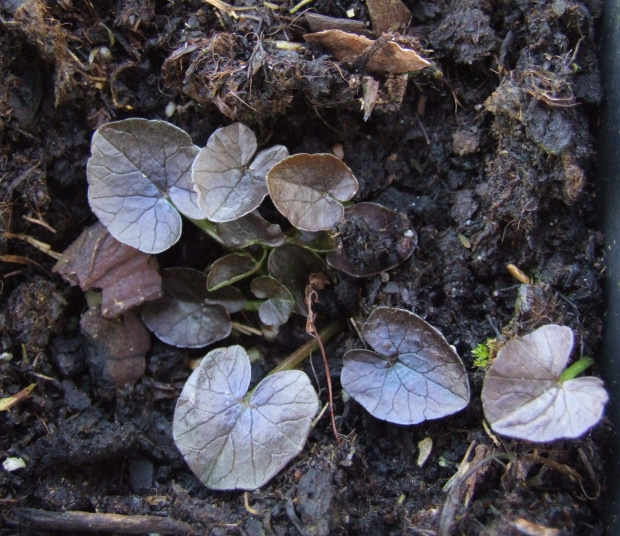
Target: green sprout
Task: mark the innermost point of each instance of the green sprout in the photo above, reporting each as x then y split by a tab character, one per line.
482	354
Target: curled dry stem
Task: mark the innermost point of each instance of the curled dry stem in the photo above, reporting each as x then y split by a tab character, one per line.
311	298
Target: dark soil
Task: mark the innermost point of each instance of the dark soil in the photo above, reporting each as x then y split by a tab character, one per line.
490	155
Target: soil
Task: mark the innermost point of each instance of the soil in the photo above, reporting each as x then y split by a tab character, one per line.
490	155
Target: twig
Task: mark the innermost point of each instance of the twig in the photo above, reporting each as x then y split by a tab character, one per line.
88	522
41	246
301	4
246	330
8	402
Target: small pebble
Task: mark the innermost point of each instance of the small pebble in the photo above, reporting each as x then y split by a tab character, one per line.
13	464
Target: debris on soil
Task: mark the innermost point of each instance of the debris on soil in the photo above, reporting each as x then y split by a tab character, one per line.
31	314
47	35
465	32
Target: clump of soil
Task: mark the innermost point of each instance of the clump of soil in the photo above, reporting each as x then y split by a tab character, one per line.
488	153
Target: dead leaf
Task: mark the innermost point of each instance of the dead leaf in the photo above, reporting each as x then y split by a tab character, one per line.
370	86
126	276
115	350
389	57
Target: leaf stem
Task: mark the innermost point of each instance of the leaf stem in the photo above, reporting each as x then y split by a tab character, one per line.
576	369
208	228
253	305
298	356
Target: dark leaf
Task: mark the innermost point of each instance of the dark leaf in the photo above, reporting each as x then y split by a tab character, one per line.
189	316
320	241
250	229
523	396
233	267
280	303
292	265
372	239
228	186
137	171
413	374
308	188
126	276
231	441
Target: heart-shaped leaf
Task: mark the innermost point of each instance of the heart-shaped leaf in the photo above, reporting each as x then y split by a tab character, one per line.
187	315
372	239
280	303
308	189
228	186
523	396
232	267
250	229
292	265
413	375
232	441
137	170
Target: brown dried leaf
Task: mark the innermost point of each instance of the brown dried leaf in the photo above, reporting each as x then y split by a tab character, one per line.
389	58
116	349
126	276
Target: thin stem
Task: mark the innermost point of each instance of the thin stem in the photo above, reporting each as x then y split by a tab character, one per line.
208	228
253	305
299	355
311	298
576	368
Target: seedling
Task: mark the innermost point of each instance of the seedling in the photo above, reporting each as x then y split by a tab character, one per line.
144	174
527	394
482	355
232	439
413	374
